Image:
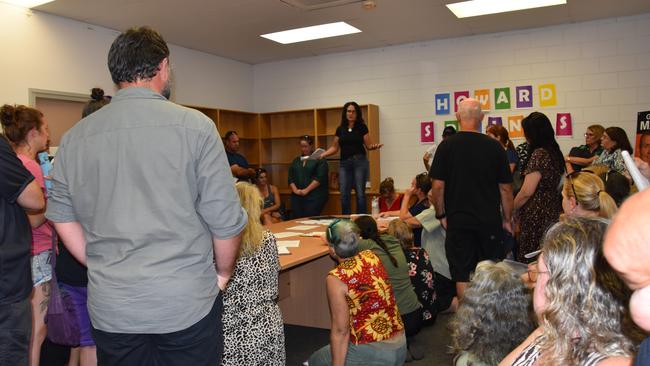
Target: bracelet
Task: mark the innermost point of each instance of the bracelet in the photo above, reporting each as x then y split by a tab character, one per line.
441	216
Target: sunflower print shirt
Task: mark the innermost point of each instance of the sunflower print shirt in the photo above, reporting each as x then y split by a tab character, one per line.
373	312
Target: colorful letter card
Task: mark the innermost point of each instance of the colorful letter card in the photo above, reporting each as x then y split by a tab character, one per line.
502	98
483	96
563	125
459	97
514	127
495	121
524	96
426	132
442	103
547	96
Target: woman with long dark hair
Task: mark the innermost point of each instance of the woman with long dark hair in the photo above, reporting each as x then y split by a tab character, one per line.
614	142
352	139
539	202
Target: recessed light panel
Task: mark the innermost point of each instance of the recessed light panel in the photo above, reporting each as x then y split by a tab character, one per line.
475	8
27	3
311	33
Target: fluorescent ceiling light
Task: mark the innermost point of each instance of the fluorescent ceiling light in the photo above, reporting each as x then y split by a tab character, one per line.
310	33
27	3
474	8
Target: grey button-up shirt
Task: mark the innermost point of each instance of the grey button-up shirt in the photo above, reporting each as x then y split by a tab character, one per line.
150	184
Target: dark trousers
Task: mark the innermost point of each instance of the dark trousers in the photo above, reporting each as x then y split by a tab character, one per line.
15	332
353	173
412	322
305	206
466	247
200	344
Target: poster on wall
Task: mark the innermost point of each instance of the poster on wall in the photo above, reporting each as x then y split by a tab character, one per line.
453	123
495	121
426	132
563	125
642	146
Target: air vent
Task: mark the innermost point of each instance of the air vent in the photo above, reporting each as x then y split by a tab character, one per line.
318	4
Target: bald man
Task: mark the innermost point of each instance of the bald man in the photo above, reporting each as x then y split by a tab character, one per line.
627	249
471	183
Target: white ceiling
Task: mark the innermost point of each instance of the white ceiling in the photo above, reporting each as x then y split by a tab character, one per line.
231	28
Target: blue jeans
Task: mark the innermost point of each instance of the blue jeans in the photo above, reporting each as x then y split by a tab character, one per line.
363	355
353	173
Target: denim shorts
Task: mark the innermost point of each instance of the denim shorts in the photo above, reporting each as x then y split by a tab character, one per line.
41	267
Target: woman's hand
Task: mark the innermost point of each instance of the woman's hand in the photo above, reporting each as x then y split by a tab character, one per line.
375	146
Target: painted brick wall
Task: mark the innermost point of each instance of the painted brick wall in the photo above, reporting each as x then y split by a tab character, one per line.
601	70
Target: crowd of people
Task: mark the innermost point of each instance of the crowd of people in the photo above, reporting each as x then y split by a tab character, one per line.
183	271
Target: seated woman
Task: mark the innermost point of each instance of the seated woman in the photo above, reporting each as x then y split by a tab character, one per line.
579	300
389	200
420	270
273	211
366	326
249	302
583	155
584	194
480	340
420	187
614	142
388	249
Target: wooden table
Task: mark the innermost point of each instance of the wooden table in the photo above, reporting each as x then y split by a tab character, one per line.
303	296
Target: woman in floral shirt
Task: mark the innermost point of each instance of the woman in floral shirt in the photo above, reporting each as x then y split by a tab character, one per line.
420	270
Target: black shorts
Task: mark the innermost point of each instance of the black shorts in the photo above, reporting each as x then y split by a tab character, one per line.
466	247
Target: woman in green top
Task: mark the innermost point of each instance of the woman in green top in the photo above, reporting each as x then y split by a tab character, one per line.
308	182
390	252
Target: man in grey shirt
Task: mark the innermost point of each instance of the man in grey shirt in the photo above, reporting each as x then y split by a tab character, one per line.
142	193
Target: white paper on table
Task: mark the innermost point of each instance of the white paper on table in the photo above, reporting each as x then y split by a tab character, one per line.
302	227
309	222
288	243
285	234
283	250
316	234
388	218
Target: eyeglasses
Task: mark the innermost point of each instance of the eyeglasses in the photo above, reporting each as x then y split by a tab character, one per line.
570	178
588	134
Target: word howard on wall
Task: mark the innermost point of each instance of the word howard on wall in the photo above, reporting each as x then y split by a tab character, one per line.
523	97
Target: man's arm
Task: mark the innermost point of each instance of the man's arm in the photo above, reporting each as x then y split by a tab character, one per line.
240	172
226	252
72	236
438	189
505	189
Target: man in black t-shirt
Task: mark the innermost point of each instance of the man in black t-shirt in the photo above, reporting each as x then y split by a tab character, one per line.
18	191
472	184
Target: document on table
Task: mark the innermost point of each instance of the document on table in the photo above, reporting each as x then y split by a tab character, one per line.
303	227
288	243
283	250
316	222
285	234
316	234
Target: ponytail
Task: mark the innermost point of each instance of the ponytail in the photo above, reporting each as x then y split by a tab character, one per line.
608	206
368	227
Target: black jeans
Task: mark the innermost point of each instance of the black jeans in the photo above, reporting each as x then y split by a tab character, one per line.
200	344
15	332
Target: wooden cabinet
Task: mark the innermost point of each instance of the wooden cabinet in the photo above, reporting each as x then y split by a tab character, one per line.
271	140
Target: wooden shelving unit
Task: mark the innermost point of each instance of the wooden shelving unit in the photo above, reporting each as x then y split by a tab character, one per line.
270	140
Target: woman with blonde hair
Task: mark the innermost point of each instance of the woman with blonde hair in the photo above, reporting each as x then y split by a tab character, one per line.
420	269
493	317
584	194
250	300
579	300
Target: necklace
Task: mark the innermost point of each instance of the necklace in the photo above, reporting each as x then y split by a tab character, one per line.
349	129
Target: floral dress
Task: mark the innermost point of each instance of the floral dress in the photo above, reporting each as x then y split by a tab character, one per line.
543	208
421	273
373	312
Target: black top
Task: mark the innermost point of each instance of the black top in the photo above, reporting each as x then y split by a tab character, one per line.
15	231
351	142
415	210
472	165
69	270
